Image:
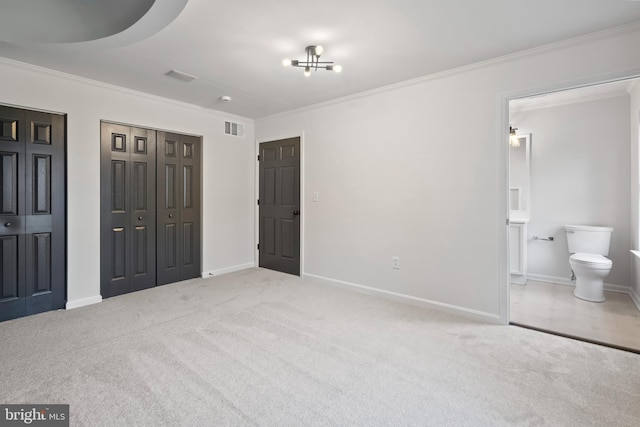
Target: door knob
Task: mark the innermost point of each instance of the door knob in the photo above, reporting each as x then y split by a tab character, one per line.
139	218
7	224
170	215
296	212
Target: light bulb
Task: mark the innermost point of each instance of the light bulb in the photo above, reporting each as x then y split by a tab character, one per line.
307	71
286	62
319	50
514	141
337	68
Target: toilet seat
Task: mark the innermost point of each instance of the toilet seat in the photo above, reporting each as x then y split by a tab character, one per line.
594	261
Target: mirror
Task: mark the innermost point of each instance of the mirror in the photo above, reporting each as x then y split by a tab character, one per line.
519	176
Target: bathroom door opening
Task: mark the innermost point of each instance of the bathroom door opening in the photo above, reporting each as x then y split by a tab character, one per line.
580	145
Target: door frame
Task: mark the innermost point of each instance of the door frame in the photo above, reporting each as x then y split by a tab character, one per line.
256	222
502	149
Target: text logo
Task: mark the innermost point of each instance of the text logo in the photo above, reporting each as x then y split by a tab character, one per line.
34	415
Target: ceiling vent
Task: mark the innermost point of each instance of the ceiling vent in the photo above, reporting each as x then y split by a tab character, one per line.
180	75
234	129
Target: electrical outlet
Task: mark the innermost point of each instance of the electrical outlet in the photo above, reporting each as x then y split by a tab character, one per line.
395	262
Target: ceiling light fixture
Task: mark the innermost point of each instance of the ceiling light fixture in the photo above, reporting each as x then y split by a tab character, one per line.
313	62
514	141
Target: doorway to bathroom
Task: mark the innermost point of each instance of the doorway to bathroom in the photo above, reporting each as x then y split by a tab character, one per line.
573	160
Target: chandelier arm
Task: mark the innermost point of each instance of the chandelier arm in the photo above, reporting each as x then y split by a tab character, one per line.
311	64
319	67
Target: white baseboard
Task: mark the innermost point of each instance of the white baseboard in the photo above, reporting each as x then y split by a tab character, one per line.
226	270
550	279
607	286
567	282
83	302
517	279
421	302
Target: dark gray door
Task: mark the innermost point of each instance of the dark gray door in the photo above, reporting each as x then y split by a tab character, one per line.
128	209
178	186
279	247
32	212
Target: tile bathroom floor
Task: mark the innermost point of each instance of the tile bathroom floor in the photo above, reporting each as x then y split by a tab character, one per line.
553	307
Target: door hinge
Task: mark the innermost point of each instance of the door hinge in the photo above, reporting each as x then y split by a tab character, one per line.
258	157
258	201
258	246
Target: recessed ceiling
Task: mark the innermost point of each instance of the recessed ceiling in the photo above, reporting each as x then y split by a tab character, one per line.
67	21
236	48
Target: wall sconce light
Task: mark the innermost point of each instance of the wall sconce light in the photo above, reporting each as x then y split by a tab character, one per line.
313	62
514	141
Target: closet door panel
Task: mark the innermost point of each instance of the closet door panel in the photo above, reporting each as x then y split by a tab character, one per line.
116	212
12	248
189	207
45	212
143	209
178	207
168	216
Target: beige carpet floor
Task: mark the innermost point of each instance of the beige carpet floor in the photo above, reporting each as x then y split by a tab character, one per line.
261	348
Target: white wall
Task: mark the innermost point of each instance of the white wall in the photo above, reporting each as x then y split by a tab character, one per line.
634	127
419	171
580	174
227	166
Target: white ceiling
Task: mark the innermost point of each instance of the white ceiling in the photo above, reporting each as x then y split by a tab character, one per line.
236	47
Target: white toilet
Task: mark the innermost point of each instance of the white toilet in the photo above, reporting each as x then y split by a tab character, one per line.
589	245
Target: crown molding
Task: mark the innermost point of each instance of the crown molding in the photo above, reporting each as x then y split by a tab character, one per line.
123	90
534	103
562	44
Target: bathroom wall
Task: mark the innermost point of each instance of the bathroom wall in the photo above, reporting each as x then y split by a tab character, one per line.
580	174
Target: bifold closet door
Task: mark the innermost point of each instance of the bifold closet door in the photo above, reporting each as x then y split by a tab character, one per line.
32	212
128	209
178	196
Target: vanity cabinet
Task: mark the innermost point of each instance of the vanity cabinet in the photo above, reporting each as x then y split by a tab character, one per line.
518	251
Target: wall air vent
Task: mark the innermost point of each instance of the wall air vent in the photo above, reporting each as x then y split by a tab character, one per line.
181	75
234	129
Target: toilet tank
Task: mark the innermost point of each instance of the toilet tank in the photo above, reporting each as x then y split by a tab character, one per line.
588	239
